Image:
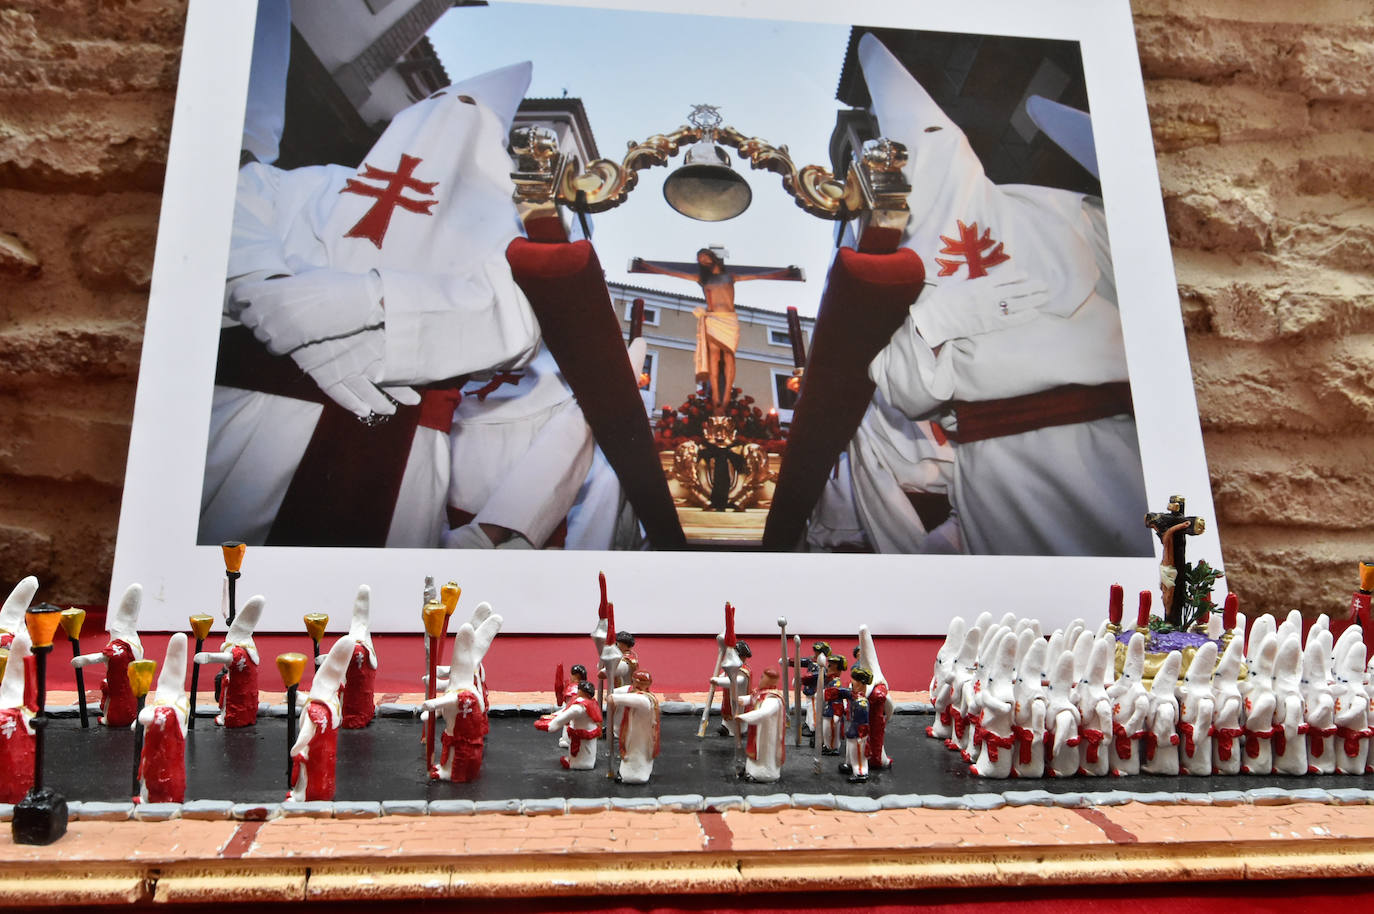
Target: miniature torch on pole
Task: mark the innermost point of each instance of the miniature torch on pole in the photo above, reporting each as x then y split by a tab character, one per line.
290	666
435	621
140	680
72	620
233	561
200	627
315	624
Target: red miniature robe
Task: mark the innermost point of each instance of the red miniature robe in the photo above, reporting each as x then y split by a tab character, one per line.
359	705
16	755
877	725
117	703
465	744
30	673
162	766
320	755
239	698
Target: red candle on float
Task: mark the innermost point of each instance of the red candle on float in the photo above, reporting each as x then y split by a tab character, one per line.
1142	616
1115	604
1228	612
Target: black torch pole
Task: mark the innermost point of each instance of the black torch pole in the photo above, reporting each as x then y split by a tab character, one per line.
195	683
40	720
80	685
290	730
138	744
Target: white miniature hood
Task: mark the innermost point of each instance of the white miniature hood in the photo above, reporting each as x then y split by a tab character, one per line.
16	604
1288	663
329	677
1262	628
123	625
1165	683
360	629
171	681
1200	671
868	656
12	687
245	623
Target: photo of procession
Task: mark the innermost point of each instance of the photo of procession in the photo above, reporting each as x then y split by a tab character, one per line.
849	290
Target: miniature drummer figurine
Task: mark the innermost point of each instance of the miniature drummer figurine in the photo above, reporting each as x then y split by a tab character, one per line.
582	717
238	700
639	729
313	757
833	710
162	766
118	707
811	679
856	725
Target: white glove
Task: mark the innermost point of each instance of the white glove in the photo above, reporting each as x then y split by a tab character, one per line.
344	370
291	311
962	309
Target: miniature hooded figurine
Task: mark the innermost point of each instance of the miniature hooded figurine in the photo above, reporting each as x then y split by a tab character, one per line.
1029	712
479	616
766	719
1082	654
857	717
238	703
1319	702
162	766
1259	702
359	705
16	733
314	755
1290	749
1351	635
1064	755
998	704
1322	624
1095	711
582	717
1130	709
941	692
1291	625
638	730
879	707
1262	627
1054	647
464	702
117	703
961	683
1197	710
1352	710
1230	707
1159	747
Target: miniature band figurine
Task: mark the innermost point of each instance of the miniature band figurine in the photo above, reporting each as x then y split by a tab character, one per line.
833	706
582	717
639	729
857	715
315	754
165	718
238	701
118	706
766	748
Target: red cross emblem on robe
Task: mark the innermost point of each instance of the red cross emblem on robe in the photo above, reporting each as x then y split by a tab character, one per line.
377	219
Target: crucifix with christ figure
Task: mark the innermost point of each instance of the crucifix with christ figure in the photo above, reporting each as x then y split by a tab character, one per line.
717	323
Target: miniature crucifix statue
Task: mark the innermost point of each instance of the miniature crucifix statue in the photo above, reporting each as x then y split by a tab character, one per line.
717	323
1173	527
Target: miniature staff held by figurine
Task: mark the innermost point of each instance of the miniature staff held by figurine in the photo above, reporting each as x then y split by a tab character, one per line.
140	680
611	656
315	624
290	666
233	561
730	667
200	627
796	691
782	635
72	620
711	693
436	625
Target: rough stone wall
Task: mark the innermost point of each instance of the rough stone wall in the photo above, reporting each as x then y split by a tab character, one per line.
1263	117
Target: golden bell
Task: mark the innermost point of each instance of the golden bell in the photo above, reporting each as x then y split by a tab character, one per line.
200	625
704	187
233	555
315	624
448	595
42	621
436	619
1367	576
290	666
72	620
141	676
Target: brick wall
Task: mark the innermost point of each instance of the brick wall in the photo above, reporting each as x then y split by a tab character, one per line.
1263	116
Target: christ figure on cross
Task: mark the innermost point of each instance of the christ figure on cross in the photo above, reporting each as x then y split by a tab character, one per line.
717	323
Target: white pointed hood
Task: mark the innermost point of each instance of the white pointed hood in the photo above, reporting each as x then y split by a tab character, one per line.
868	657
1133	669
1165	683
12	686
1062	679
1353	634
1070	129
1030	673
954	642
1288	665
245	623
123	624
953	203
1228	668
16	604
1199	675
360	630
171	681
324	688
1262	628
1262	666
452	147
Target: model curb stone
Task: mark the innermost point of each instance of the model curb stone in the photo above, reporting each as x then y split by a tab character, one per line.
982	801
393	709
900	801
676	707
589	804
452	807
684	802
857	804
505	807
157	812
255	812
405	807
308	809
1071	800
545	806
635	804
358	810
105	812
1351	796
207	810
724	803
1268	796
1229	798
813	801
1029	797
768	802
937	801
1108	797
1311	795
1157	798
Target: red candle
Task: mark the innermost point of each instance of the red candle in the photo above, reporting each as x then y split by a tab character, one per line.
1142	616
1228	612
1115	604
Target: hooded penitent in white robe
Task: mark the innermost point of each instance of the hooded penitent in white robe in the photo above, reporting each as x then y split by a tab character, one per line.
1020	300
